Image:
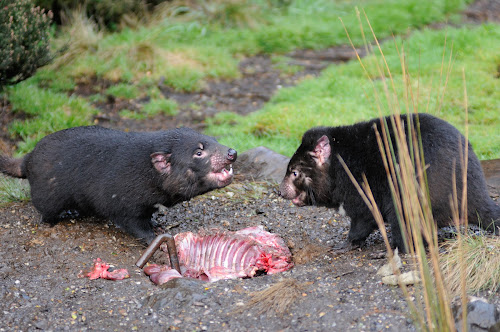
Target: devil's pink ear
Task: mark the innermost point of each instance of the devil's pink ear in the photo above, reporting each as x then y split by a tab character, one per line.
161	162
322	151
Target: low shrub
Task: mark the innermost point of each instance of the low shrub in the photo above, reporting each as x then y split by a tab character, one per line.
24	36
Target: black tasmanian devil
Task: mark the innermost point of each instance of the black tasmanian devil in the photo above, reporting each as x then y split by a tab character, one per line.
120	176
315	176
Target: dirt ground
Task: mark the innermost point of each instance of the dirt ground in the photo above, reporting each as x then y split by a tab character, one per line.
329	289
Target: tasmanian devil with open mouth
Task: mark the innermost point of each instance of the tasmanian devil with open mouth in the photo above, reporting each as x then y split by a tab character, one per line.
120	176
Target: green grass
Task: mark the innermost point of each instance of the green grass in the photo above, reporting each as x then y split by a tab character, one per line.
184	51
123	90
154	107
343	94
46	112
282	63
53	80
187	52
13	190
157	106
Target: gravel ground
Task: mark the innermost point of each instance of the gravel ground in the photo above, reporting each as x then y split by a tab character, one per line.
331	287
327	289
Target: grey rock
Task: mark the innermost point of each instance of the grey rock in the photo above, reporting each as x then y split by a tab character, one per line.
481	316
261	163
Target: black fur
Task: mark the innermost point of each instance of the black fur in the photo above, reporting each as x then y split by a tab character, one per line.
118	175
316	177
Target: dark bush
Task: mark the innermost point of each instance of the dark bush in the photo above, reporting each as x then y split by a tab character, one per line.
24	40
108	13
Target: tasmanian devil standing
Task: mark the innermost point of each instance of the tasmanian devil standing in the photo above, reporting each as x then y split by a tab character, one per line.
120	176
315	176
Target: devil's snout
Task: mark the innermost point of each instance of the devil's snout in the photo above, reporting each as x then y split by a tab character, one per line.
231	155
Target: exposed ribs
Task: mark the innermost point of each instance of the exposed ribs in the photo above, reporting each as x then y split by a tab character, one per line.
225	255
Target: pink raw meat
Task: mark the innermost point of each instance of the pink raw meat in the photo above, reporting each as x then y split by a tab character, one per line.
100	270
225	255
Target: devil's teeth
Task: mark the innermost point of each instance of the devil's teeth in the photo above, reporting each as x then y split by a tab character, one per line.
227	171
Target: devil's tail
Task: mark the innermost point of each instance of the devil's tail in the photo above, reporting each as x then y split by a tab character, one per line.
12	166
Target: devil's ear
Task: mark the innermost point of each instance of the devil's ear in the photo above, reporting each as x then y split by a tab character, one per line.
322	151
161	162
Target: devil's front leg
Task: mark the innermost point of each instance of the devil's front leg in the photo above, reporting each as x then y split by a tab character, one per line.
362	224
140	226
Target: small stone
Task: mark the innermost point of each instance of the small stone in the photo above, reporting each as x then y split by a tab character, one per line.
387	269
391	280
408	278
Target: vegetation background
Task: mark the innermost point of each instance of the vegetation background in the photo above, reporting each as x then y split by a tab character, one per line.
133	45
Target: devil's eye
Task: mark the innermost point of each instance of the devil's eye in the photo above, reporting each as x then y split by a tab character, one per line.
295	173
199	153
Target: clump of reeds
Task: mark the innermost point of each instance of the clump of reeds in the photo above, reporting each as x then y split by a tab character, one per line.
406	172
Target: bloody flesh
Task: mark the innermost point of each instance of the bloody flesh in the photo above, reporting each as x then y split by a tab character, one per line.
225	255
101	270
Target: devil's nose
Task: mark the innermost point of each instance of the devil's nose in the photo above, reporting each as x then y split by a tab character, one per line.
232	154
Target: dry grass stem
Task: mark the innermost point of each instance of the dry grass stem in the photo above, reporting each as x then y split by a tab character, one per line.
277	298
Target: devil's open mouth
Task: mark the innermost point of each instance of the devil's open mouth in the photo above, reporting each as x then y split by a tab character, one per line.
299	200
224	176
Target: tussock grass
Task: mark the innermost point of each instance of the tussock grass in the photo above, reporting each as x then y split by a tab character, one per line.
132	61
219	31
81	35
277	298
481	257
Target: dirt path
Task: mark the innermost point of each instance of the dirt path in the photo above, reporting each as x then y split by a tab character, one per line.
330	289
